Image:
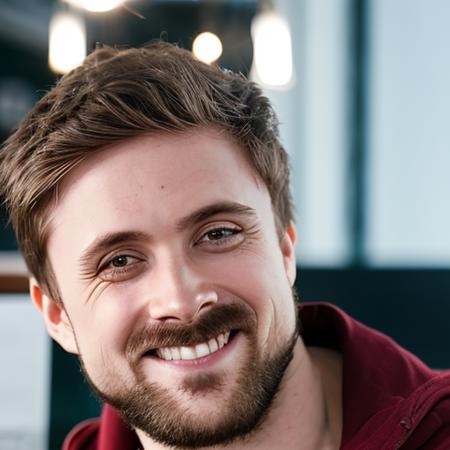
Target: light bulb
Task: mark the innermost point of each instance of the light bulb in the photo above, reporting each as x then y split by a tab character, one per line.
67	42
272	50
96	5
207	47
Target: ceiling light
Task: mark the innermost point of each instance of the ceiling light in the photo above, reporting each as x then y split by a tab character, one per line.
272	50
96	5
67	41
207	47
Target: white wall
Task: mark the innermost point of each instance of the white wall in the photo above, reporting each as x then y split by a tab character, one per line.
313	115
408	183
409	142
24	375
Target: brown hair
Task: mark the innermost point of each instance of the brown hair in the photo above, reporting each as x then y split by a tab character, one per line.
120	93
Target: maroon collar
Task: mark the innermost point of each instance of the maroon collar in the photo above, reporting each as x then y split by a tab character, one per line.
377	372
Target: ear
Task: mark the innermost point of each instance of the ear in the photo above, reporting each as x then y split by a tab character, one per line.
55	317
288	251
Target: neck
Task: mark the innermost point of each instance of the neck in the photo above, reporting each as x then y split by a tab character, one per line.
306	413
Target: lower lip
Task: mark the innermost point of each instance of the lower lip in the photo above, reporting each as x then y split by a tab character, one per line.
204	361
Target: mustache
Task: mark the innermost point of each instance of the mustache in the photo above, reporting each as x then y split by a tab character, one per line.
214	321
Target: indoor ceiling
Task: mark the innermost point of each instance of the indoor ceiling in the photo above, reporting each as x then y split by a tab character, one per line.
24	24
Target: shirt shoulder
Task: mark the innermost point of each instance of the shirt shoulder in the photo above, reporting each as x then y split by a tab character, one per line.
420	421
109	432
391	399
84	436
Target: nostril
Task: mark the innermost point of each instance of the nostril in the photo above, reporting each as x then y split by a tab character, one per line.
181	302
205	299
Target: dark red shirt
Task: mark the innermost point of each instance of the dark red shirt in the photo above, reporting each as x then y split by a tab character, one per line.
391	400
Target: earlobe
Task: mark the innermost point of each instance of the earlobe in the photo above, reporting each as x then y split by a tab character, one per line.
288	250
55	317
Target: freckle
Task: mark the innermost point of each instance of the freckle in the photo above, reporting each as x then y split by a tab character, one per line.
162	187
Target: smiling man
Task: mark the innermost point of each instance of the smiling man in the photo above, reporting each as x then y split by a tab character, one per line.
150	197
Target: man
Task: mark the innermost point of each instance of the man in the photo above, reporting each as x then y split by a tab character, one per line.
150	197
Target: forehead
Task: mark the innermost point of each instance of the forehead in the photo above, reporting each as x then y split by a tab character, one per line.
164	174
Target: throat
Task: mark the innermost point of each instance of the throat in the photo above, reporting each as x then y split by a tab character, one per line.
328	364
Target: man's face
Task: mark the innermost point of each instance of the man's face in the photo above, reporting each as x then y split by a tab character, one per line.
176	286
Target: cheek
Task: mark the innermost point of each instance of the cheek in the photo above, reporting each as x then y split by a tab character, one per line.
261	281
103	326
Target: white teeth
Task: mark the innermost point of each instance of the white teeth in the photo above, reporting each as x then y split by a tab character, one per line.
167	354
188	353
194	352
202	350
175	351
213	345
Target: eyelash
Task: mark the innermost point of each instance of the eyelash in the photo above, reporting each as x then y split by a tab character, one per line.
232	233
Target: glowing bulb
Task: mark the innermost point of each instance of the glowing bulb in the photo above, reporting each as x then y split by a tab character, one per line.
207	47
272	50
67	42
96	5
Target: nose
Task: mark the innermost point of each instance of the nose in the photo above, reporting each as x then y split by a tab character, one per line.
179	291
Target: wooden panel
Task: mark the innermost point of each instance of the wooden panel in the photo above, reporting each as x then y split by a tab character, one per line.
13	273
13	284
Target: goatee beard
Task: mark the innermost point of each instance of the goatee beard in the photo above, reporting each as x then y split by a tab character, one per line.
158	411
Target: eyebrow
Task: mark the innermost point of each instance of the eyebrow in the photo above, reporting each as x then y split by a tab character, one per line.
214	209
106	241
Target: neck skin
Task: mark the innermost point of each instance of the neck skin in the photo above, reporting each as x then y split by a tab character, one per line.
307	412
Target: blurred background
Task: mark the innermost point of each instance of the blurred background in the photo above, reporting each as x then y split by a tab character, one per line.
361	88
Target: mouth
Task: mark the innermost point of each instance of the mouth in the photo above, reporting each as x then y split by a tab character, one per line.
195	351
